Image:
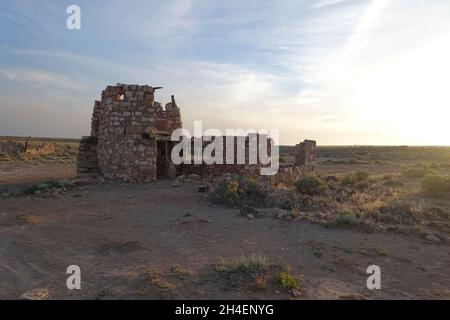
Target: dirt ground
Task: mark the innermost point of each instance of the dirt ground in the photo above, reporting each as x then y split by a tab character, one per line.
129	238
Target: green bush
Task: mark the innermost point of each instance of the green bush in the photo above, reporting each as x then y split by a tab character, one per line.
346	219
354	178
246	264
361	176
44	186
311	185
417	172
287	280
436	186
239	192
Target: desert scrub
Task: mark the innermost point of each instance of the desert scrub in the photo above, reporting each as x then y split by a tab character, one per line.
311	185
359	177
389	181
239	192
244	264
418	171
251	271
287	280
345	219
436	186
44	186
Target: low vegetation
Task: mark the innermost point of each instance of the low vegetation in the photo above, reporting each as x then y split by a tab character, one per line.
239	192
311	185
287	280
418	171
345	219
355	178
256	273
45	187
436	186
248	271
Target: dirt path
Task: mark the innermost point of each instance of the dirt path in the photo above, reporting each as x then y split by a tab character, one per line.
116	233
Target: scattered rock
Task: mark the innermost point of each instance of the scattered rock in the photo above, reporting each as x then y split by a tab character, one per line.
296	293
280	213
250	216
176	183
35	294
431	237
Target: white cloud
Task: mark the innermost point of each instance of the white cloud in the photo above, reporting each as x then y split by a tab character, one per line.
41	78
326	3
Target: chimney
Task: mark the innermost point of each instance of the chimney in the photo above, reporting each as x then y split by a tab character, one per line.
173	100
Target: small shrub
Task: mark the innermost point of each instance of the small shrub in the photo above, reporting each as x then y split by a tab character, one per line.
287	280
239	192
362	186
417	172
44	186
346	219
361	176
179	271
354	178
311	185
251	265
31	189
259	282
251	271
436	186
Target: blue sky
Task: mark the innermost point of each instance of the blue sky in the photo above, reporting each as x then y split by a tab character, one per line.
338	71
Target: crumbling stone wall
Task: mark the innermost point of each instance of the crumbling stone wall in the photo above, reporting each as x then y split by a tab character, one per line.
125	123
19	149
12	148
305	153
41	149
234	168
87	163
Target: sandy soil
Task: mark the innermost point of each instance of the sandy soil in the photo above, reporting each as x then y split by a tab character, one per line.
116	233
15	175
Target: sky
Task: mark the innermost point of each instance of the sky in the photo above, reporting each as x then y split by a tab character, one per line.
341	72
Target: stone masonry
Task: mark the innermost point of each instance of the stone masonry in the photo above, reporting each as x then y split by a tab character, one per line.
126	126
305	153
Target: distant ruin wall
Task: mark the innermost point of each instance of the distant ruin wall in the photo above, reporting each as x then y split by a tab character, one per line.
12	148
19	149
305	153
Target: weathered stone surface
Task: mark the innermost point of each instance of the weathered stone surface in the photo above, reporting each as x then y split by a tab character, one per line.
305	153
124	128
431	237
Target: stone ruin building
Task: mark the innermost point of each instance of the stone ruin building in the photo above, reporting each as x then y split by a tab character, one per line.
130	135
131	139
